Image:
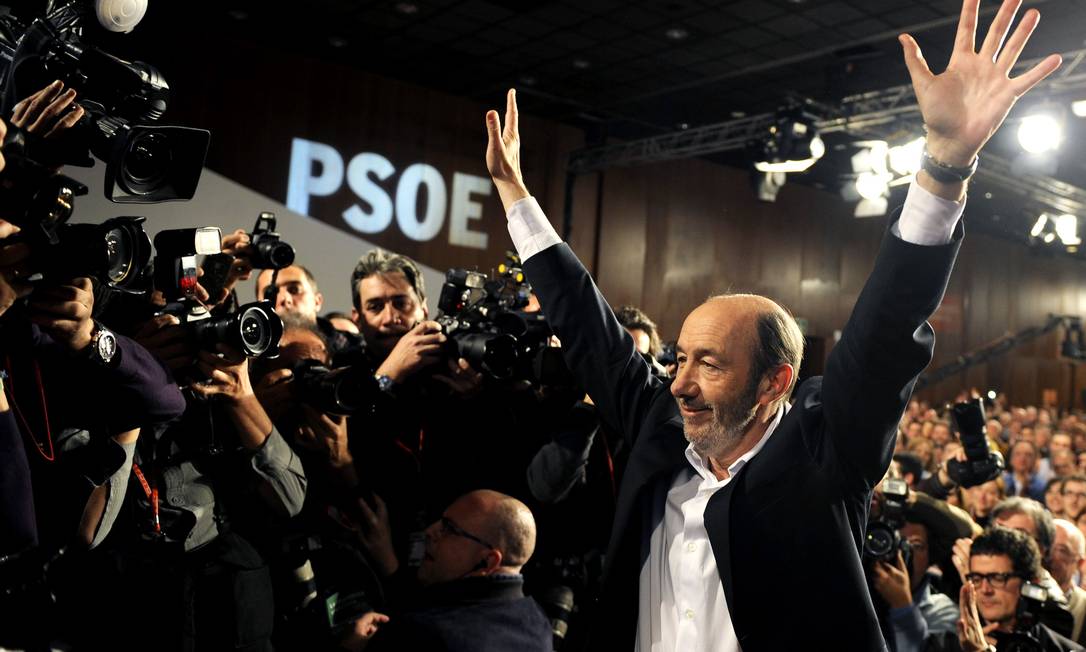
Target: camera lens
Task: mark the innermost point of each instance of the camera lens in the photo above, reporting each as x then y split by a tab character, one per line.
255	334
147	162
118	255
879	542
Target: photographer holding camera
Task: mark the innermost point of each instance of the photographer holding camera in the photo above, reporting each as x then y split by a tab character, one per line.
200	491
915	609
997	607
435	430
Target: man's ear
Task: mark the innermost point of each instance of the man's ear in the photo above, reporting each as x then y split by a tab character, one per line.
775	384
356	317
318	301
493	561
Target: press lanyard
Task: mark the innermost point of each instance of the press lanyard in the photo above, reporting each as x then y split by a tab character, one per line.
152	495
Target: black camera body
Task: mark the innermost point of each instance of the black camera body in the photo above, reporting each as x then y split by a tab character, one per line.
883	539
40	202
144	163
486	325
1032	604
268	249
341	390
981	464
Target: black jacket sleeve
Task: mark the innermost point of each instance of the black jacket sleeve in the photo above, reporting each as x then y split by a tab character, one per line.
596	347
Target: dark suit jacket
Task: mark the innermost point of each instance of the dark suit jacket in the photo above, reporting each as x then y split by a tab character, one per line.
787	531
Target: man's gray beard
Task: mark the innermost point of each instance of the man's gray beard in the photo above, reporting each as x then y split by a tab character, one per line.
728	428
723	436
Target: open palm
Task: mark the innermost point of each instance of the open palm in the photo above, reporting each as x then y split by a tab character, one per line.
967	103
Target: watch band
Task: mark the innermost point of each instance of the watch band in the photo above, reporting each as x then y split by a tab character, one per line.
385	384
944	173
103	346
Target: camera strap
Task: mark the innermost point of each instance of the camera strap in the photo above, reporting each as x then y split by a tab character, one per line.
416	453
9	388
152	495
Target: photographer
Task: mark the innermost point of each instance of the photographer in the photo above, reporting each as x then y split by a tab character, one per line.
994	611
916	610
202	489
436	430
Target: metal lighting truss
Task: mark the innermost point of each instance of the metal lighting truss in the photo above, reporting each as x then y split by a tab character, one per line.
875	113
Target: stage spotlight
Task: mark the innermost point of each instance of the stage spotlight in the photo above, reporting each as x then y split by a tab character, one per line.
1079	108
1039	133
1067	230
871	157
871	185
1049	228
905	159
792	144
1039	226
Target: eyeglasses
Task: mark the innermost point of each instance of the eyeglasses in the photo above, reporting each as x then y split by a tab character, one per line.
1076	494
996	580
448	527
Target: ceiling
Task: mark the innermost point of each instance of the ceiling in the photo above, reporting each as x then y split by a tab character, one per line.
634	68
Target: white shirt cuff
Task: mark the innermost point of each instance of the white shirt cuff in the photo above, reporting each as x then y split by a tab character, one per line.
927	219
530	229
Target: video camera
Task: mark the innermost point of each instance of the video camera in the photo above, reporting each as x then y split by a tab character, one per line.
981	464
486	325
144	163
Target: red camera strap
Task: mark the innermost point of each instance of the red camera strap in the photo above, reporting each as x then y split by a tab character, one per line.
152	495
9	388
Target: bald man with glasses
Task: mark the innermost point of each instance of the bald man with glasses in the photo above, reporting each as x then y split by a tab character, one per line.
472	596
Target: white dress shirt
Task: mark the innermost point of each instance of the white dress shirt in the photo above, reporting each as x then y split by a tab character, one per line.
681	604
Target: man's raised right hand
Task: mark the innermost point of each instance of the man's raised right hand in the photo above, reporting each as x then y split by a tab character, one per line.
503	153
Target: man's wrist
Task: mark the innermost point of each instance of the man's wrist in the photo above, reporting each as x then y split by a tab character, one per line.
949	152
511	192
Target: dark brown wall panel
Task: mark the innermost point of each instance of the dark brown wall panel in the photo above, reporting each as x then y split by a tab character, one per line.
663	236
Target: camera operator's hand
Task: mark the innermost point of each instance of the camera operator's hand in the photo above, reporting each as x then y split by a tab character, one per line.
326	434
228	373
972	635
960	556
64	311
13	259
892	582
164	338
364	628
235	244
375	535
462	379
48	112
420	347
503	153
275	392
